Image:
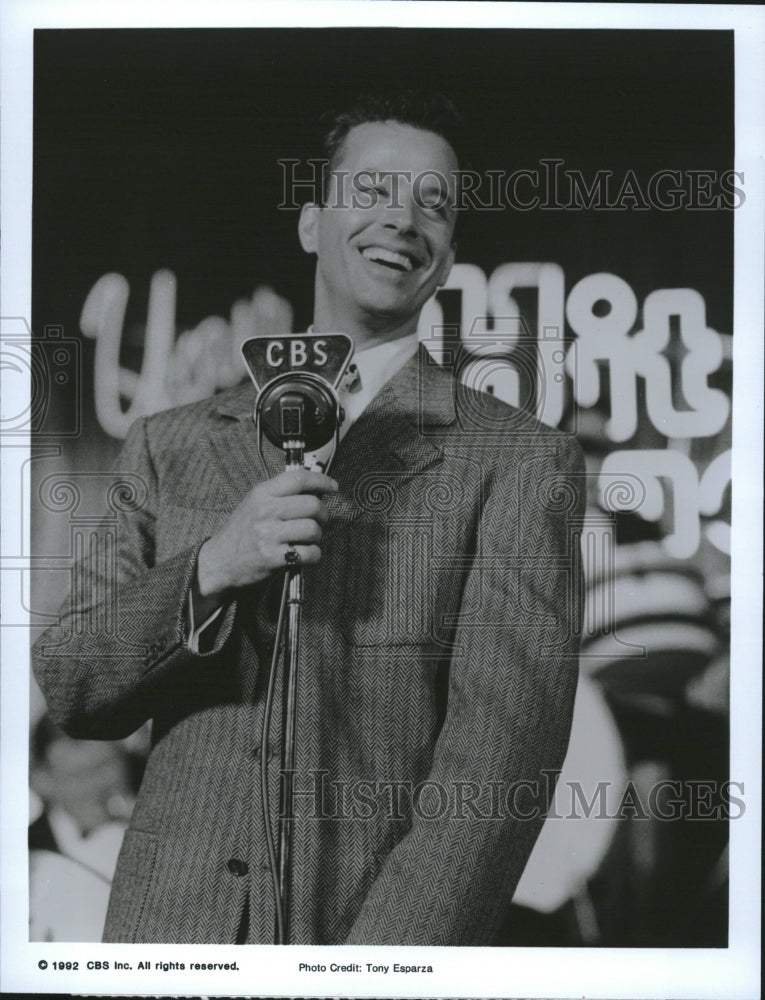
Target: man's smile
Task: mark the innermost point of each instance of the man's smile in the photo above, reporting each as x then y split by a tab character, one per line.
392	259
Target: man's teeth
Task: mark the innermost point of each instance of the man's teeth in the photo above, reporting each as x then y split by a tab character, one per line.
383	256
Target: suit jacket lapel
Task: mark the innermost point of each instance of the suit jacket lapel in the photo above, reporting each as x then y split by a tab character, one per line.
233	446
393	439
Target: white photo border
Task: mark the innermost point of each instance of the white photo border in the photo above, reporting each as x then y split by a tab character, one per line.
730	973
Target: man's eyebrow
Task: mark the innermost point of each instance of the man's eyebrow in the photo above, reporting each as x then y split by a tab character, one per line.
383	172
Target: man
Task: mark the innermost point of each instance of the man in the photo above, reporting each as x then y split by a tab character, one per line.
440	626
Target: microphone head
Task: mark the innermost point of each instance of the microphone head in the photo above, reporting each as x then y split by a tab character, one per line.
296	376
298	410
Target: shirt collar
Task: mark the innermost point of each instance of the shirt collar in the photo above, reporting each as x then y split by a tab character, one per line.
378	364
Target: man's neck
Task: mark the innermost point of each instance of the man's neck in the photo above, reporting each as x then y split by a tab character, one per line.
366	331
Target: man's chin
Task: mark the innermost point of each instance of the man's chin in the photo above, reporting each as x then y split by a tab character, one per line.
381	313
386	303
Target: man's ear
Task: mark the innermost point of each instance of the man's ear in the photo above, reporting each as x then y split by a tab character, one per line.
448	265
308	225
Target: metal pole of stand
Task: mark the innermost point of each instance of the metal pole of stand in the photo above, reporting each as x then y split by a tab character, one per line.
289	744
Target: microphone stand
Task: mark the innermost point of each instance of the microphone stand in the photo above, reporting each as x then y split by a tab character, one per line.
294	410
295	454
297	409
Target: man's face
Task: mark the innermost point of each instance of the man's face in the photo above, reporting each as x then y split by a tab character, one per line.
384	239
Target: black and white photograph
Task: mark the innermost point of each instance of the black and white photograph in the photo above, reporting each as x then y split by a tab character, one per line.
381	445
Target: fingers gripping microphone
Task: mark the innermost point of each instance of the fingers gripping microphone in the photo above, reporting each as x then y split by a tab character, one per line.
297	406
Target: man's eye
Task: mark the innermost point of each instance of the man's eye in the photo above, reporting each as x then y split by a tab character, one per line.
438	206
437	200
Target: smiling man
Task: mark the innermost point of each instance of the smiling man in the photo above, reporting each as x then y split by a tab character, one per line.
440	627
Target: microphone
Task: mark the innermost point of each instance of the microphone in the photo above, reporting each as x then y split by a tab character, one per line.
297	407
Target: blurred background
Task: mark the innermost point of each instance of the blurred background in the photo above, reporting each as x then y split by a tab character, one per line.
156	157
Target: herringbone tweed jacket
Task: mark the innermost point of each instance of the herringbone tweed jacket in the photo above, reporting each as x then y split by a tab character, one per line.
439	666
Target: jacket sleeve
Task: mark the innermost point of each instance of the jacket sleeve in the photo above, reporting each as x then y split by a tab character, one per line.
512	681
121	640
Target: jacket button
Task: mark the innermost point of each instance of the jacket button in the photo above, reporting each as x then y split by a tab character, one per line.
237	867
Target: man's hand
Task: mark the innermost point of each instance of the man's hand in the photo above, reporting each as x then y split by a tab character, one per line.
282	511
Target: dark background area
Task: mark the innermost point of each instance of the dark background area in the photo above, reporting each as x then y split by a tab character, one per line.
159	148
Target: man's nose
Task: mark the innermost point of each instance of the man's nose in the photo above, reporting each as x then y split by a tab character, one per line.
402	217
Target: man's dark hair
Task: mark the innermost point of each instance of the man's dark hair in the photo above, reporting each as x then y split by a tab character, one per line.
430	111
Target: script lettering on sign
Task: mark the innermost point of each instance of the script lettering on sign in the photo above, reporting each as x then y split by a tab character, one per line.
612	343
